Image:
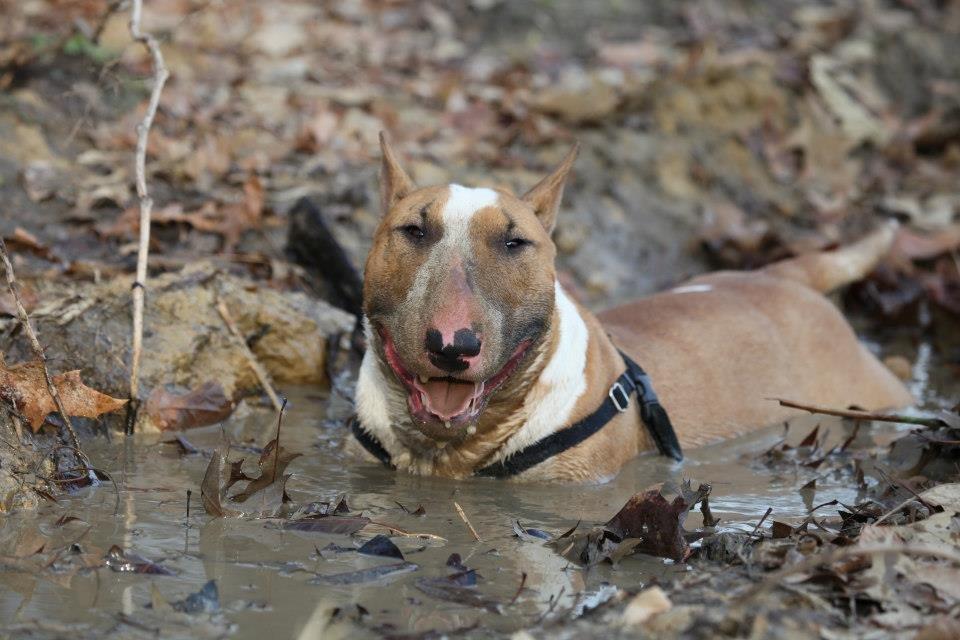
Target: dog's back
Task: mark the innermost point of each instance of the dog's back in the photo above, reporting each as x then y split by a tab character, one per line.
720	346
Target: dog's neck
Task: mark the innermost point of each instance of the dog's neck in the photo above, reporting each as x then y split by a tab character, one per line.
540	398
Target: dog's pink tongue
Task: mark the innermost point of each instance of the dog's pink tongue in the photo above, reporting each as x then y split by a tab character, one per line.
446	399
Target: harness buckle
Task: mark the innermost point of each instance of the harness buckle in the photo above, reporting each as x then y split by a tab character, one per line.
621	401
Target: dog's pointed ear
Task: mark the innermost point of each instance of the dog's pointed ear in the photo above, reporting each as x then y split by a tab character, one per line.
546	195
395	184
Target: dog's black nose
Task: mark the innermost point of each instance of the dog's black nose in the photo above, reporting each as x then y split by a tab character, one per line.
452	357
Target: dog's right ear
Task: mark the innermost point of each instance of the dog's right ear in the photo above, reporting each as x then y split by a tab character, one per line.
395	184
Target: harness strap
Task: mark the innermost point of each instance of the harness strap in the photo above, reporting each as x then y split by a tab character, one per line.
652	413
370	443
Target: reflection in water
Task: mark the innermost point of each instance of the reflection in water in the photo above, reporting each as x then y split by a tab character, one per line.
263	571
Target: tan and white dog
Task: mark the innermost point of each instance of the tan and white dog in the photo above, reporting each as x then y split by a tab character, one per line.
476	352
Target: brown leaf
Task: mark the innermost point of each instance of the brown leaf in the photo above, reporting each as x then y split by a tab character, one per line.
210	492
658	524
24	385
207	404
272	466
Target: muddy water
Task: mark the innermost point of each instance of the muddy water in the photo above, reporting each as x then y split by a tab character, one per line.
262	572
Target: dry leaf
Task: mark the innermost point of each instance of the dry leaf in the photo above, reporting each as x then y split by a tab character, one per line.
207	404
24	385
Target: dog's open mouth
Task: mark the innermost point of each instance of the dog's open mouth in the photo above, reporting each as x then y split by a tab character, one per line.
450	401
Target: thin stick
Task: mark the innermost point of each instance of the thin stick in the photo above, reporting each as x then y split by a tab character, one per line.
276	452
38	349
189	495
255	365
933	423
463	517
160	75
840	553
757	528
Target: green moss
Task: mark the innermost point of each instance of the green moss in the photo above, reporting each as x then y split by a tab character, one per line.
80	45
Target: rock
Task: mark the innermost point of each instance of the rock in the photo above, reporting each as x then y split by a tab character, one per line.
644	606
186	343
578	99
21	468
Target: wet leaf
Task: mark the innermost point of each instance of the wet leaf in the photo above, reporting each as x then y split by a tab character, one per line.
206	600
25	386
211	493
381	545
529	535
125	562
344	525
363	576
657	523
449	589
419	511
207	404
272	467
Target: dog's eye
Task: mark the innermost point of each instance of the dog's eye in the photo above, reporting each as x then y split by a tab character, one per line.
414	232
516	243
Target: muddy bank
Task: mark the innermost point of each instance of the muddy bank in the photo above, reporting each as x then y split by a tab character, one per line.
187	345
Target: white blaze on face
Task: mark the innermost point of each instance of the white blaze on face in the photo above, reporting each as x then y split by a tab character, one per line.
454	244
460	208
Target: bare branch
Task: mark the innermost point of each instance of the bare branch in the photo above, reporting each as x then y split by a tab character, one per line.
251	357
160	75
38	349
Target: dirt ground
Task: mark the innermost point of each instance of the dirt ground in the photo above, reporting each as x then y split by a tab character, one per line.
713	135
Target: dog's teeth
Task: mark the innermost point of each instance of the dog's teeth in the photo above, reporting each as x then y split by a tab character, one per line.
424	379
471	430
446	423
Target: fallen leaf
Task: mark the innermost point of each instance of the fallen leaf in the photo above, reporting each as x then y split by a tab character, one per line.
657	523
272	466
381	545
125	562
25	386
210	492
451	589
207	404
367	575
345	525
206	600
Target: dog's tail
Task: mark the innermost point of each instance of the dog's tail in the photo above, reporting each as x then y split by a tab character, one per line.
829	270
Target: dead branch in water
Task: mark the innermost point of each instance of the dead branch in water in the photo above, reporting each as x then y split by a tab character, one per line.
463	517
24	319
932	422
262	376
160	75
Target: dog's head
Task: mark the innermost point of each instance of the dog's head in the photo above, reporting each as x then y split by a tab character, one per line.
459	286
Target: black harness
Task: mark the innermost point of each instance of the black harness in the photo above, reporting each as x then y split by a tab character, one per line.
652	413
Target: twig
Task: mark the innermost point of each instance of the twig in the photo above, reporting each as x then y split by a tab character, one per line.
933	423
255	365
757	528
160	75
276	452
112	8
523	582
463	517
840	553
38	350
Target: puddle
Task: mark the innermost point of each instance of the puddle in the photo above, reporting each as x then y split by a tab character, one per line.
264	573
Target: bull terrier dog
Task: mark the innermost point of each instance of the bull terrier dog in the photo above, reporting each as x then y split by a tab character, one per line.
479	363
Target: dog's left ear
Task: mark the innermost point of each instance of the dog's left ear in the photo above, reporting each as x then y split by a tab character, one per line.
395	184
546	195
